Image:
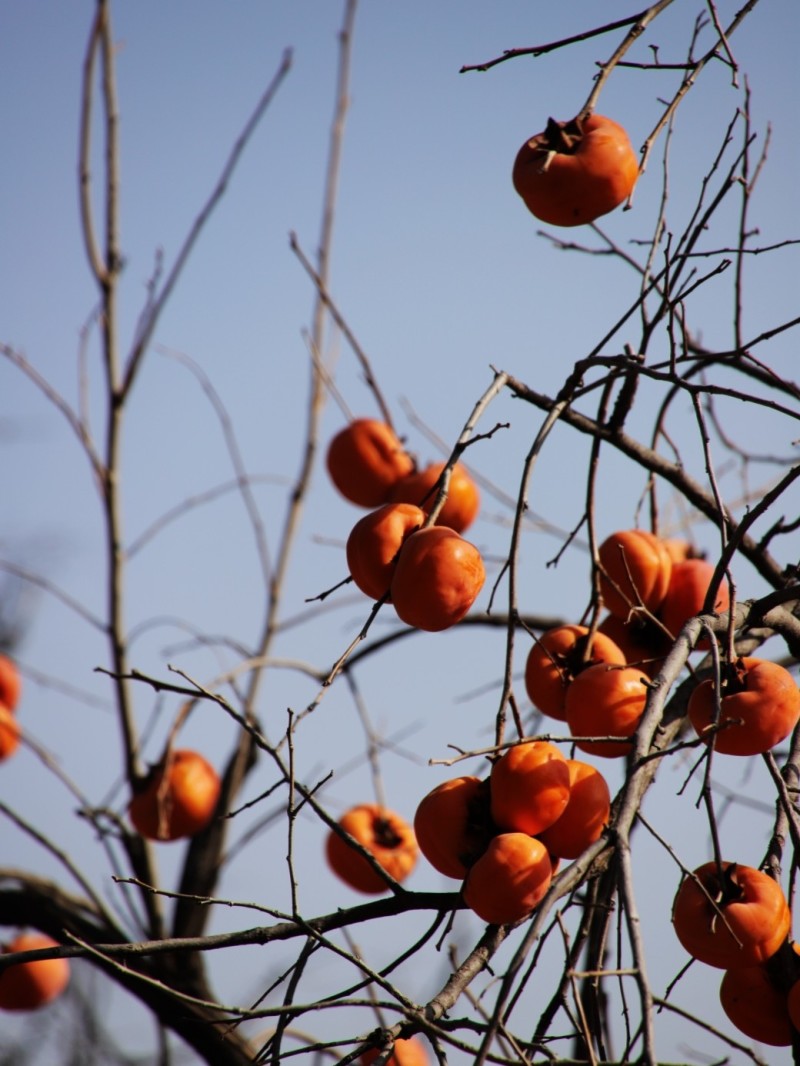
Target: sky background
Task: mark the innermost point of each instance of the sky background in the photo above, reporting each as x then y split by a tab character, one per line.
442	275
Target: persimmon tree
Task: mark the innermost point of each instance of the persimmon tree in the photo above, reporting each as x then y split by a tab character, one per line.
587	968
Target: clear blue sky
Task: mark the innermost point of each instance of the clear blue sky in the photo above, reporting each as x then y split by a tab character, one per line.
439	271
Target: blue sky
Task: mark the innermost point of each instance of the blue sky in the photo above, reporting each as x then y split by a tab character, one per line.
439	271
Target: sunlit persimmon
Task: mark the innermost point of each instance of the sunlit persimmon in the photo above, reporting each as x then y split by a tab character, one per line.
374	543
756	1006
573	172
463	498
759	707
383	833
557	657
529	787
177	799
509	879
585	816
606	701
408	1052
10	682
437	578
688	586
749	923
635	569
677	548
30	985
10	733
364	461
453	825
643	644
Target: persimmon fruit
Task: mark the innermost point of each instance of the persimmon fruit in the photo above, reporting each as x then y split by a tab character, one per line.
606	701
405	1052
573	172
437	578
635	569
688	586
10	682
529	787
509	880
453	826
27	986
374	543
10	733
642	642
381	832
364	461
749	923
556	659
463	497
177	799
585	816
755	1006
759	707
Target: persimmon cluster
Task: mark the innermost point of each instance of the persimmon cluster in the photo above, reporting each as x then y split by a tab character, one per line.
504	836
429	573
736	918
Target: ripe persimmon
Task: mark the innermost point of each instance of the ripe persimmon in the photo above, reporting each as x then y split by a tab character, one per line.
529	787
756	1006
509	879
642	642
557	657
177	798
585	816
463	498
30	985
688	585
437	578
364	461
10	733
606	701
573	172
749	923
10	682
635	569
408	1052
759	707
374	543
383	833
453	825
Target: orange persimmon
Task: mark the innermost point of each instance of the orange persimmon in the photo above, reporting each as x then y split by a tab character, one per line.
383	833
606	701
364	461
374	543
437	578
177	799
408	1052
760	702
573	172
10	682
585	816
10	733
509	879
745	924
688	585
29	985
529	787
557	657
463	498
635	569
755	1006
453	825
